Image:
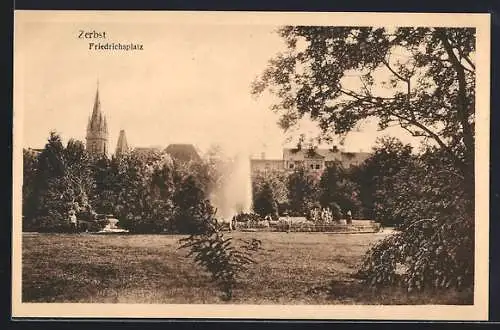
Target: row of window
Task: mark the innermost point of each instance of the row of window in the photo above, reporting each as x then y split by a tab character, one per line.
312	166
297	164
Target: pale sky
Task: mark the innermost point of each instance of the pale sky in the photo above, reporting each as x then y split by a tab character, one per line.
190	84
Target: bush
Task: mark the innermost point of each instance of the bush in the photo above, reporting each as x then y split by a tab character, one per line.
142	193
303	189
217	254
377	176
263	201
424	256
434	247
190	207
246	217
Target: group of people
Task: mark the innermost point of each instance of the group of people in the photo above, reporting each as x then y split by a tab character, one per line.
321	215
325	215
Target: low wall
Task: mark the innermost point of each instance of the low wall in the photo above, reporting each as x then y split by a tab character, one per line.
358	227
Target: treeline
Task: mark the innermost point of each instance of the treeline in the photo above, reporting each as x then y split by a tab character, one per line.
148	193
151	193
368	191
425	195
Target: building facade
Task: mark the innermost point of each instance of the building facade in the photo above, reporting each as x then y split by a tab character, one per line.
313	160
266	165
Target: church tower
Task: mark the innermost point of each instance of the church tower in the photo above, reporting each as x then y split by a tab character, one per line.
121	146
97	130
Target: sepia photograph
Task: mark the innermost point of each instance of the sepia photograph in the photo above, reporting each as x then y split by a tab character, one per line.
251	165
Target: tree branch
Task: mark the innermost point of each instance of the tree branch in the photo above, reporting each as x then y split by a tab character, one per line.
377	100
412	121
400	77
469	61
458	161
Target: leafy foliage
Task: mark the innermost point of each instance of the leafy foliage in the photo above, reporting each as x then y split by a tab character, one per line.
150	193
188	199
143	202
216	253
264	203
60	183
247	217
147	191
377	176
302	190
105	175
30	167
435	244
275	183
337	189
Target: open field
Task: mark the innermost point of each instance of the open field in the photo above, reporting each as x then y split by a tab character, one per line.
294	268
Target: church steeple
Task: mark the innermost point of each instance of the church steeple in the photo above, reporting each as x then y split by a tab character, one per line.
97	128
96	111
121	146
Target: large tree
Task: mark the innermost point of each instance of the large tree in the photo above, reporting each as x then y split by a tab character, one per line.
30	166
302	191
79	174
422	79
61	183
104	171
264	203
336	187
377	176
277	182
143	189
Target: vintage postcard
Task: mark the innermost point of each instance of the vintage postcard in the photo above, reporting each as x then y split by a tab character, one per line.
251	165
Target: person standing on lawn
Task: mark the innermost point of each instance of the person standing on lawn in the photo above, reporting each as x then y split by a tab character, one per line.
73	221
349	217
288	222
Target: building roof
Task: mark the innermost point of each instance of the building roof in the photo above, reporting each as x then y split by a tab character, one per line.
307	152
323	153
183	152
258	160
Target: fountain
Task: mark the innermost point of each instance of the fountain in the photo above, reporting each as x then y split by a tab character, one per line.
111	227
234	193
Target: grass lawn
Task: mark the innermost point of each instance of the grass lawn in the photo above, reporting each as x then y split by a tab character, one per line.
294	268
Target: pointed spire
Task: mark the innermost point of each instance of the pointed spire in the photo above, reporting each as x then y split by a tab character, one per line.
122	145
96	111
97	131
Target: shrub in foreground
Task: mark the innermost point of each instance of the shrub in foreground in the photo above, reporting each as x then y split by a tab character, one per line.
426	255
217	254
434	245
